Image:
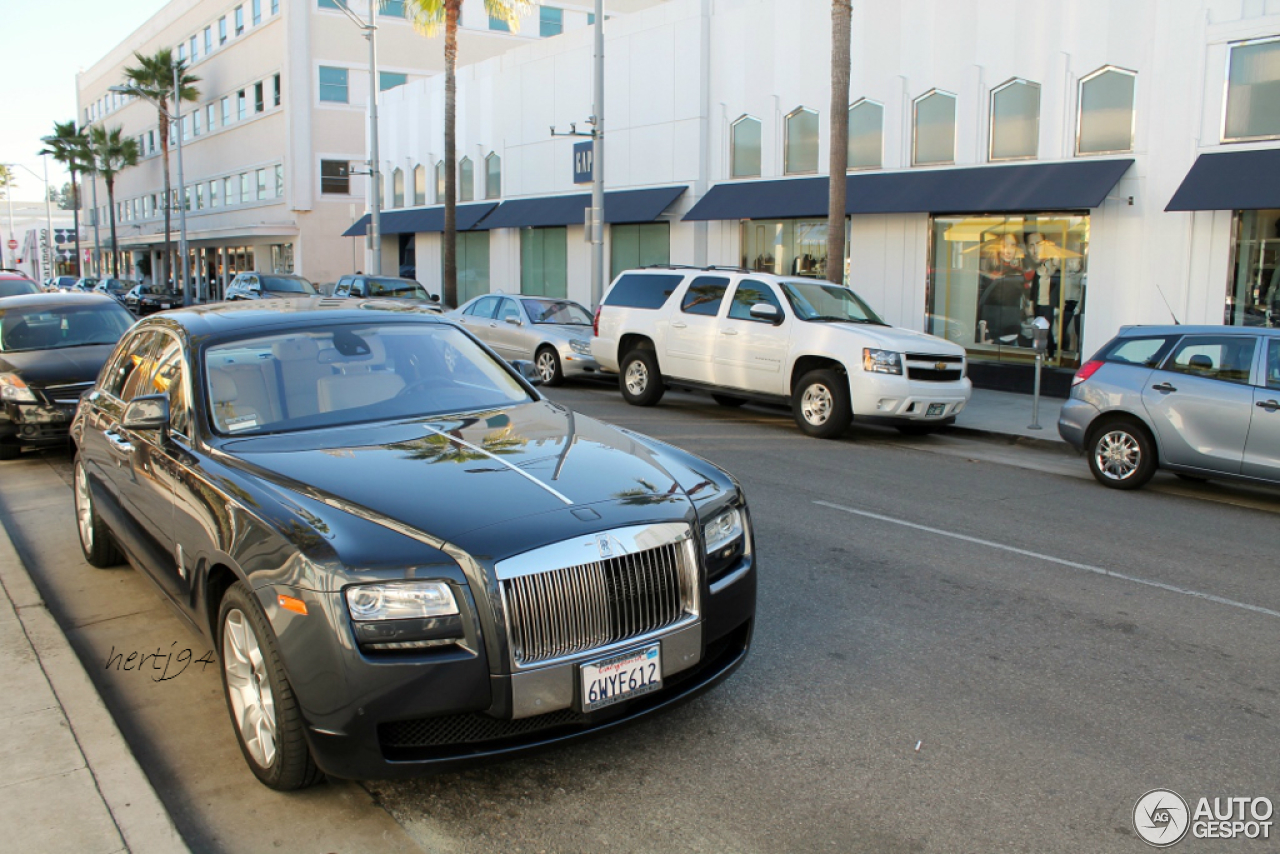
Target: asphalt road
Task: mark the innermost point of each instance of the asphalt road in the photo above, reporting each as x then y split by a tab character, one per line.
962	645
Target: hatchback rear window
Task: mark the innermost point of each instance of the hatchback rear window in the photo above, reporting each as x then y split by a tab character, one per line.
643	290
1148	351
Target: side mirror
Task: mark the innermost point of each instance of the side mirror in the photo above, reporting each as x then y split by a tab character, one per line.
146	412
528	370
435	297
766	311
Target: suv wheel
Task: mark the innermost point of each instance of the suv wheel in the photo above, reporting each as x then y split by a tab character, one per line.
548	364
640	380
820	404
1122	455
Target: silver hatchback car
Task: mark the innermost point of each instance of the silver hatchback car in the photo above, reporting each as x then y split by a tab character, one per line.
1200	401
554	333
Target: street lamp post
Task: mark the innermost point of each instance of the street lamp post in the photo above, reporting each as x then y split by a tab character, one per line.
48	216
375	184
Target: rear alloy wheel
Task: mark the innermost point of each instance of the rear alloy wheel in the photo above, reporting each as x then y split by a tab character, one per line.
820	404
1122	455
95	541
548	364
263	709
728	400
640	380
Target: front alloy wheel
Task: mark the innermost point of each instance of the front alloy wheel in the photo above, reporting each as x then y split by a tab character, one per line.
548	365
641	381
95	542
820	404
1122	456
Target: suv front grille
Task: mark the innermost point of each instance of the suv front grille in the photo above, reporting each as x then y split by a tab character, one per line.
66	394
933	374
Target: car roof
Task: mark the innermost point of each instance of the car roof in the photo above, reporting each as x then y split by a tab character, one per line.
48	299
10	275
1189	329
222	317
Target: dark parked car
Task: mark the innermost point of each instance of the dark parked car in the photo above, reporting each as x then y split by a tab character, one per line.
61	283
16	284
148	299
406	557
51	349
1200	401
384	287
269	286
115	288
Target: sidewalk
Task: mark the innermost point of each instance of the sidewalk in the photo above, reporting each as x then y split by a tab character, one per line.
1004	413
71	782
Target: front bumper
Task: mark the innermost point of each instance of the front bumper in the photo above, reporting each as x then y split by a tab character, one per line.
574	364
891	398
36	423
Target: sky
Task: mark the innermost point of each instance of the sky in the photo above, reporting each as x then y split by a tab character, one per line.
42	46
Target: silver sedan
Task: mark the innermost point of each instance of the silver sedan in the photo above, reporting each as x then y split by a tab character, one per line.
554	333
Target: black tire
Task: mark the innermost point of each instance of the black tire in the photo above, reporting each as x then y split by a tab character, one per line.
640	380
95	539
820	404
282	760
728	400
547	361
1122	455
9	449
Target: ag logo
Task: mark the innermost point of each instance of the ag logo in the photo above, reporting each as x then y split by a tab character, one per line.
1161	817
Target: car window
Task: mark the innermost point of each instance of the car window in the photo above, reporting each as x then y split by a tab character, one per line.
129	369
704	295
1272	377
557	311
824	301
1219	357
287	285
643	290
509	309
483	307
748	293
1147	351
17	287
169	378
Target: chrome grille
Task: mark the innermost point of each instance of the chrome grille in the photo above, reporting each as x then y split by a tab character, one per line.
562	612
65	394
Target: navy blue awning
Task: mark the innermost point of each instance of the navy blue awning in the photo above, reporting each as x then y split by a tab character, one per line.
619	206
1230	181
1073	185
415	220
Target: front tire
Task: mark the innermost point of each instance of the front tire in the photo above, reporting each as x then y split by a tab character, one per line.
547	361
95	540
1122	455
640	380
263	709
820	404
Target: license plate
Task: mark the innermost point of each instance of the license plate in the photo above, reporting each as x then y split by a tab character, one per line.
166	305
621	677
935	409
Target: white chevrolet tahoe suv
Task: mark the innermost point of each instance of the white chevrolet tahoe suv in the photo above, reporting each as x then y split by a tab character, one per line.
744	336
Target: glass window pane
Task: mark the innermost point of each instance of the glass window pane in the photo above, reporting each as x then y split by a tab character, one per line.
392	8
440	182
544	262
493	177
749	293
333	84
279	180
935	131
550	21
1015	121
1253	91
802	142
866	135
638	245
466	180
1106	113
704	296
262	183
1219	357
1253	294
397	188
391	79
473	264
335	176
420	185
499	24
746	148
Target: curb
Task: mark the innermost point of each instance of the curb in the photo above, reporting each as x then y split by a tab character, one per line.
136	809
1014	439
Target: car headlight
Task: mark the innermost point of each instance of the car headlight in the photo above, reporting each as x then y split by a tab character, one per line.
404	600
12	388
722	530
881	361
578	345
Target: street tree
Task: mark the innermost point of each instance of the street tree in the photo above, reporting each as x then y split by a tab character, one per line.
841	24
153	78
7	180
110	152
69	146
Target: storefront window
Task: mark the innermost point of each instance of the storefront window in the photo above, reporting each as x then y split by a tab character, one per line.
1253	294
282	257
473	264
788	247
993	276
544	262
639	245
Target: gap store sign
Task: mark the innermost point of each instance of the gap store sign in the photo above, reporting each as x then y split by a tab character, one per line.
583	161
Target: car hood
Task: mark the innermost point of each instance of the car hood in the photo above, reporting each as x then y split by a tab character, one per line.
901	340
447	476
285	295
61	366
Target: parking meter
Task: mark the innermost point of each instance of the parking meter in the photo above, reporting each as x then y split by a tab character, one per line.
1040	335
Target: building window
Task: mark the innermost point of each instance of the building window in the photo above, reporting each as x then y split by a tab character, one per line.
242	105
335	176
257	12
419	185
1253	293
935	128
208	40
259	97
222	30
213	194
333	84
192	49
186	127
392	8
151	142
391	79
639	245
182	52
275	90
473	264
544	268
1015	120
992	276
466	180
226	111
746	148
231	191
397	188
211	117
279	180
195	122
239	17
493	176
866	135
788	247
275	7
550	21
439	182
262	184
1106	112
1253	91
328	4
246	186
199	197
801	142
499	24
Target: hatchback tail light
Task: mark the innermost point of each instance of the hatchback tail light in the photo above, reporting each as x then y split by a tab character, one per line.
595	322
1087	370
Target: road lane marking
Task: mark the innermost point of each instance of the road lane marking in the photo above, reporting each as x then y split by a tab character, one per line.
1097	570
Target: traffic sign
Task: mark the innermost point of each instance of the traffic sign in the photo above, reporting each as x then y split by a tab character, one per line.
13	244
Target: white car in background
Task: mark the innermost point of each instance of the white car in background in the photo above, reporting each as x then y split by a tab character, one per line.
743	335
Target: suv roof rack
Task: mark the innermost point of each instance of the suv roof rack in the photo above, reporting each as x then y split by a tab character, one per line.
722	267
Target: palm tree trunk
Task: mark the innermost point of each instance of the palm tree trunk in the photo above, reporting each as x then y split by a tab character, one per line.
841	13
450	236
111	210
165	259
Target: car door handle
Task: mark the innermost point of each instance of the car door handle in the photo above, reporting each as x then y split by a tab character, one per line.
728	332
1269	405
679	325
1163	387
118	442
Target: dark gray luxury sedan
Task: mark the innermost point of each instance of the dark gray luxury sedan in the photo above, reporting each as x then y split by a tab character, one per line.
406	557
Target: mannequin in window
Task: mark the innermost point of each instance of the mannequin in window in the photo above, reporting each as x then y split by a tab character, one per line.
1044	285
1073	284
999	302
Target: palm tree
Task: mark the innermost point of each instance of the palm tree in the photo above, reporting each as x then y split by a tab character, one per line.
109	152
68	145
841	13
7	180
153	78
427	16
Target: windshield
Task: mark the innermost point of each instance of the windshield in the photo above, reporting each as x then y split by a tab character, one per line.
54	327
824	301
17	287
395	289
557	311
118	286
287	285
332	375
